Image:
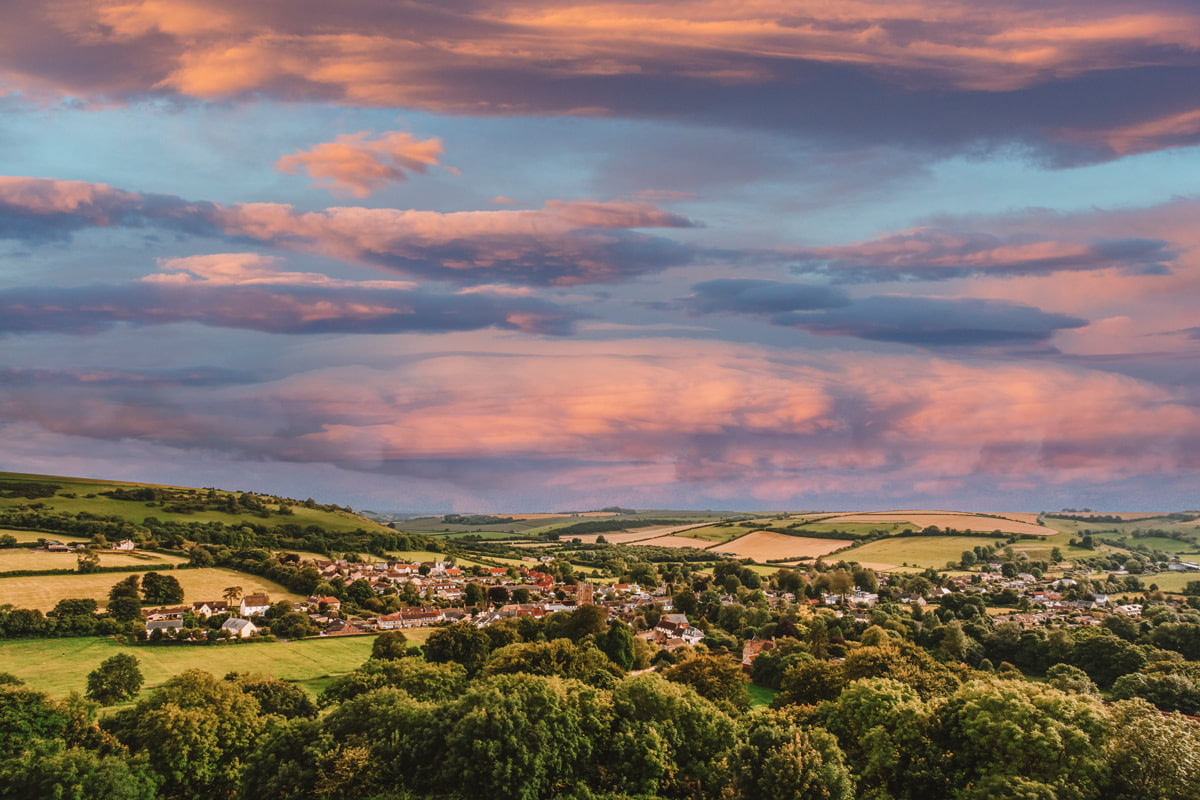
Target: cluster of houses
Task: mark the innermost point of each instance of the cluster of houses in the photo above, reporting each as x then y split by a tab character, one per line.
239	625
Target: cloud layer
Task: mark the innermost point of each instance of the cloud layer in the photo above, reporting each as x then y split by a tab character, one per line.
240	291
563	243
355	165
932	75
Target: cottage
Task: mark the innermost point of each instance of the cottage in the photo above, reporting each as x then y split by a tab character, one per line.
240	628
253	604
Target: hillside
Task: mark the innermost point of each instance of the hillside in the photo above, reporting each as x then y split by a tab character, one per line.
173	515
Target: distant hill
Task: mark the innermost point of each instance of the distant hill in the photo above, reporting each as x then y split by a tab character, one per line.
174	515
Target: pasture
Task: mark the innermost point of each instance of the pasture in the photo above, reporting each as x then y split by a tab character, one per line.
60	666
43	592
1170	581
715	534
768	545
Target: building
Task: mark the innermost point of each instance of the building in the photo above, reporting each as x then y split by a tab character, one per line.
240	628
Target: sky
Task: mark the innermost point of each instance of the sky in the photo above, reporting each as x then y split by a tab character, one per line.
517	255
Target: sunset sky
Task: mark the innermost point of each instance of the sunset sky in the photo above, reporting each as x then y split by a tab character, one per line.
482	255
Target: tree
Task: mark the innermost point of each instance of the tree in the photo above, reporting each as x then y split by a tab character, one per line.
390	645
195	730
461	643
715	678
125	600
117	678
780	760
560	657
232	593
87	561
161	589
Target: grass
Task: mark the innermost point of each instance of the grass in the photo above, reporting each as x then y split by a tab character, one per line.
43	592
760	696
60	666
1170	581
718	534
21	558
853	528
1163	543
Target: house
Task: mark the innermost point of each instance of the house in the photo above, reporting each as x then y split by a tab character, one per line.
163	625
210	608
254	604
326	603
240	628
752	649
677	626
124	544
411	617
154	614
535	610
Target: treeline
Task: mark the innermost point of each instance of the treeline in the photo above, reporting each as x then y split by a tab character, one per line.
29	490
614	525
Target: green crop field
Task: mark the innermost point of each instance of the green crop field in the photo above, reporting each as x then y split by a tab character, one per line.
60	666
819	529
718	534
1163	543
43	592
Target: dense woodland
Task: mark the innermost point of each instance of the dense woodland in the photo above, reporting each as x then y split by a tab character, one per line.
900	705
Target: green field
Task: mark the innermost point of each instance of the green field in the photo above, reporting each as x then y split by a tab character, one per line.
22	558
820	529
60	666
134	511
718	534
43	592
1170	581
1163	543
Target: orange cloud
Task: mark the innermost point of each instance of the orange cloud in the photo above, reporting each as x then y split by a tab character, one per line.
356	165
507	57
565	242
650	413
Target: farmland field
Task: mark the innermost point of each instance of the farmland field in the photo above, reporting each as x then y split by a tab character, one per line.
629	537
677	541
22	558
915	551
1170	581
714	534
43	592
768	545
963	521
60	666
33	536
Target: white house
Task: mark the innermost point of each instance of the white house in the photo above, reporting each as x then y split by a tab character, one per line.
254	604
240	628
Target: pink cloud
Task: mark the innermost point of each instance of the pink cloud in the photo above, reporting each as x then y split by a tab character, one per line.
716	418
564	242
355	165
551	57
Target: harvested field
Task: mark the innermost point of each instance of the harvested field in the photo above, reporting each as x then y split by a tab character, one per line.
33	536
768	545
43	592
962	521
22	558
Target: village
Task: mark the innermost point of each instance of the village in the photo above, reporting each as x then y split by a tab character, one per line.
483	595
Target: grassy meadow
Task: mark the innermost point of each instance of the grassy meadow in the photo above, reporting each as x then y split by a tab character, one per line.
60	666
